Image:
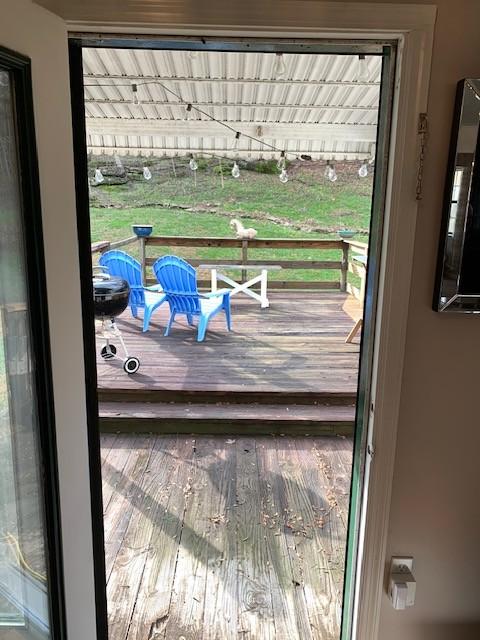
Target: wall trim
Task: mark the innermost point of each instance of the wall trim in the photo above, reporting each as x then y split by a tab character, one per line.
178	17
411	98
411	27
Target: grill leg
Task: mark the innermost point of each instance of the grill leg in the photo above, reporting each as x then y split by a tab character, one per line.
118	334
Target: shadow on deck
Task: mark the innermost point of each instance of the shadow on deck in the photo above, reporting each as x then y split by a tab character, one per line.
296	346
225	538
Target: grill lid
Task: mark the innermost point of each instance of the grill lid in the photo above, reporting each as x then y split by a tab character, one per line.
107	287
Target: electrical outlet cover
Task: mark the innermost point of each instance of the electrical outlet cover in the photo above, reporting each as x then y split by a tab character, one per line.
401	561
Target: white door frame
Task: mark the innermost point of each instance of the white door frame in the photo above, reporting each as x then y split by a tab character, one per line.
411	26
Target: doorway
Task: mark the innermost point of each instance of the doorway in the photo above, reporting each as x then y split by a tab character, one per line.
279	505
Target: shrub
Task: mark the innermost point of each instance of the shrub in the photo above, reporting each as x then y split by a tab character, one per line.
265	166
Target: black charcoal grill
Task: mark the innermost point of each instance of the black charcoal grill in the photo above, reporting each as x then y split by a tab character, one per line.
110	299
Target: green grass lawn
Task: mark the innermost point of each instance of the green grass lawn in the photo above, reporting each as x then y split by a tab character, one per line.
307	199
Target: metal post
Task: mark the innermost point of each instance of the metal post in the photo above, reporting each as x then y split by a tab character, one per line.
344	270
244	258
213	280
142	251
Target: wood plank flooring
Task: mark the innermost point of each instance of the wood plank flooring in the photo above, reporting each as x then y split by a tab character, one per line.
219	538
296	345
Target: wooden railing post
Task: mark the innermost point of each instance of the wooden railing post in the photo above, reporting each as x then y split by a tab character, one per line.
344	269
142	251
244	258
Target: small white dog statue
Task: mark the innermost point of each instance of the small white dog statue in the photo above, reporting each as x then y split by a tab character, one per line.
241	232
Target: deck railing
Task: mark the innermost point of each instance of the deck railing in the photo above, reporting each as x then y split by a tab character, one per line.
346	264
357	255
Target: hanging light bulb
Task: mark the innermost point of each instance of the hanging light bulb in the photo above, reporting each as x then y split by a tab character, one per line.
193	164
147	174
363	171
235	170
330	172
362	69
188	111
236	141
283	177
98	176
280	69
135	98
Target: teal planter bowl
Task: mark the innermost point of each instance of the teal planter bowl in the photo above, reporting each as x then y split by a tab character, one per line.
346	233
142	230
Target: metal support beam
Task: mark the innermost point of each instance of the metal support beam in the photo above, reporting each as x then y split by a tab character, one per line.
279	131
246	105
96	79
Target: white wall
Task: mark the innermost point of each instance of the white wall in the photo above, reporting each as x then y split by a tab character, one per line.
435	512
38	34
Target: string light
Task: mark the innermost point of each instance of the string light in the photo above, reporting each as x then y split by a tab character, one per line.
279	64
236	141
363	171
190	107
281	161
330	172
135	98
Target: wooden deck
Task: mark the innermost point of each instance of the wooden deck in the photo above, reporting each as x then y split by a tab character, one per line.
295	346
211	538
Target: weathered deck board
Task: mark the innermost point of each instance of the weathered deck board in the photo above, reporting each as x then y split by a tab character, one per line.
185	617
297	344
255	606
214	547
164	504
122	487
288	609
221	589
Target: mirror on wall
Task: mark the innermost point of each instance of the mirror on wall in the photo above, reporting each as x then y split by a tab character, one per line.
458	271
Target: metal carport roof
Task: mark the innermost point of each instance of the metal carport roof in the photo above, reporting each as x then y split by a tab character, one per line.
317	105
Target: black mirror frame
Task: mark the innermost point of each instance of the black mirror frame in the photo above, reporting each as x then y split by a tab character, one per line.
456	290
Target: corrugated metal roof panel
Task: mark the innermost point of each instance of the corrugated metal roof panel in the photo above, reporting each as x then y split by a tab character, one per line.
239	88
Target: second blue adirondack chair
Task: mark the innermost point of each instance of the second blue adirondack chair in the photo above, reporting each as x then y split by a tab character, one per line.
179	282
119	263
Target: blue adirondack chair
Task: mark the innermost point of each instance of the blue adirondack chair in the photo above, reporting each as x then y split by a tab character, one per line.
119	263
179	282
